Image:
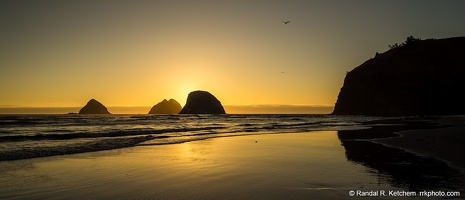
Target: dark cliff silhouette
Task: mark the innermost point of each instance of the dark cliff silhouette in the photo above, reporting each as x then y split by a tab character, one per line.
202	102
166	107
94	107
418	77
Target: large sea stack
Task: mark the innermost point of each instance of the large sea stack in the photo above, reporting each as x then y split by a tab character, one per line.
94	107
417	77
166	107
202	102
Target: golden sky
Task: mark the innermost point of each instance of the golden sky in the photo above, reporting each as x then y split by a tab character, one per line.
137	53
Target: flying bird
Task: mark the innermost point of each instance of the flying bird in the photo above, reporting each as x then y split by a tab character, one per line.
286	22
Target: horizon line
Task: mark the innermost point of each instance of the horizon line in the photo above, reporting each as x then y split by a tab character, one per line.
135	106
230	109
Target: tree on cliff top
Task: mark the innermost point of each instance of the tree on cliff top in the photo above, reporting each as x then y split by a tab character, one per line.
409	41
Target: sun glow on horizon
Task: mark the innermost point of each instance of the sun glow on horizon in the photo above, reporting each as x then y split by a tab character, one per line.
125	54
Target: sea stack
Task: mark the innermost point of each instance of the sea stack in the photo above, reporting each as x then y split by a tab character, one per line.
417	77
202	102
166	107
94	107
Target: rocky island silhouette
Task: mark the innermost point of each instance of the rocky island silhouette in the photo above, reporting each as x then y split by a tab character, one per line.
166	107
94	107
202	102
198	102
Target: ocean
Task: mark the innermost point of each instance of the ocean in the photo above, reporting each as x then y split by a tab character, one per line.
29	136
268	156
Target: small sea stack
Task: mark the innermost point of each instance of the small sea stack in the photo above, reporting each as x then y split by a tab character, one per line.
202	102
166	107
94	107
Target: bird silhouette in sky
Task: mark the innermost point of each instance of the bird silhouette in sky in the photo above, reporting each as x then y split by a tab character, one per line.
286	22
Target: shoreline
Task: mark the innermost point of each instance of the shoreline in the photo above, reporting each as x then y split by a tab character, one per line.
416	152
441	143
269	166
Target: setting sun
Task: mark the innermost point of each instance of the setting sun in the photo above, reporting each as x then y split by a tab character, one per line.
138	54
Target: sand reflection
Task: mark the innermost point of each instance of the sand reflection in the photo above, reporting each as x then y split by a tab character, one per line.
273	166
399	167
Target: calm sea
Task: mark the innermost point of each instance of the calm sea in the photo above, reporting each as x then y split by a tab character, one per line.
30	136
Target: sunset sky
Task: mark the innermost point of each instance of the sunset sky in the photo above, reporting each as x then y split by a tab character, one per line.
137	53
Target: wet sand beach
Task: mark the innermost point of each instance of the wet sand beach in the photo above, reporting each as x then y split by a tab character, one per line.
446	144
416	152
272	166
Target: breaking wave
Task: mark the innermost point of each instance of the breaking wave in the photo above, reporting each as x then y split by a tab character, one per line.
31	136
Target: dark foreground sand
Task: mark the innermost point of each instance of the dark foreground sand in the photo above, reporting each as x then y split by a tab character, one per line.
417	153
447	144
